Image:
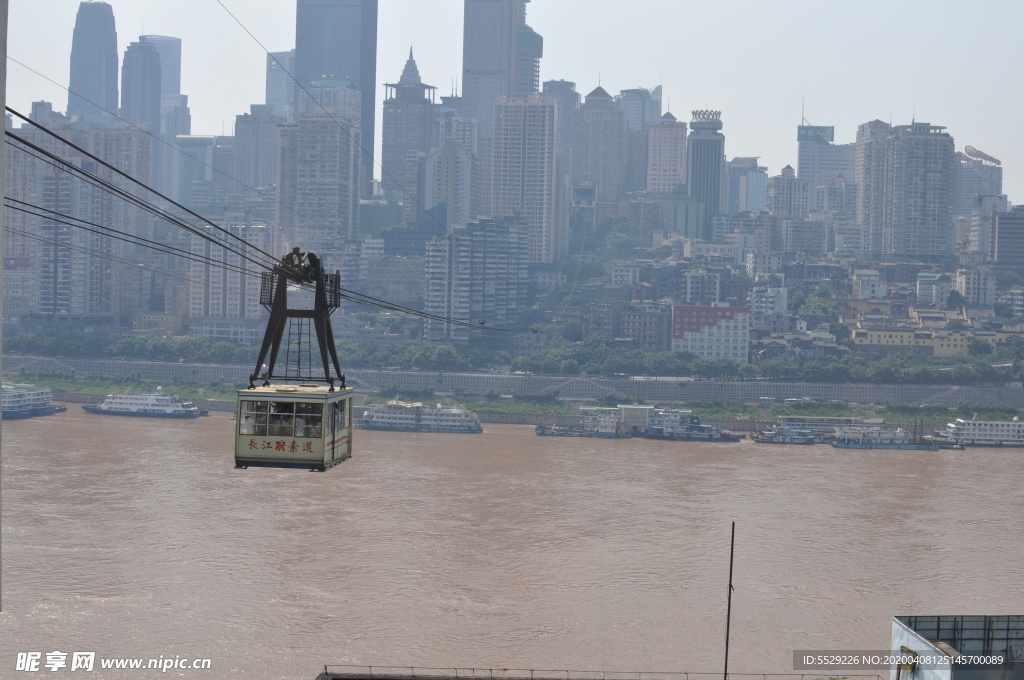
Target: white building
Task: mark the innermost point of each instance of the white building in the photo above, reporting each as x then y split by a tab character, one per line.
666	155
713	332
978	286
224	300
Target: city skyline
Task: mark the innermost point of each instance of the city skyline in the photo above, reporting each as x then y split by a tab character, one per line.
819	58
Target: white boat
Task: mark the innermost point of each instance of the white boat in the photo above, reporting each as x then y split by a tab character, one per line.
878	438
415	417
976	432
156	405
26	401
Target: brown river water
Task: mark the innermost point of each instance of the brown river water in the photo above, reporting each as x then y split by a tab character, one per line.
138	538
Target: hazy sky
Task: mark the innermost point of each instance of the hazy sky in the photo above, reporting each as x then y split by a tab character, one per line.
947	62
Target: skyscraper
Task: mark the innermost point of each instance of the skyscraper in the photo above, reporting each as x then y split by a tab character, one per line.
530	50
666	155
979	175
318	168
748	182
141	84
788	196
490	62
818	159
489	58
280	96
408	124
170	61
478	273
599	148
175	117
527	177
908	190
93	82
567	101
705	166
869	175
337	40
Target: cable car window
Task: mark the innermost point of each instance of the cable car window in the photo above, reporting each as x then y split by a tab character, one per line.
253	417
282	419
308	419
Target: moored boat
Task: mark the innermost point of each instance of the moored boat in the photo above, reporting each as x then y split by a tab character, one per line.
682	425
786	435
415	417
877	438
156	405
975	432
27	401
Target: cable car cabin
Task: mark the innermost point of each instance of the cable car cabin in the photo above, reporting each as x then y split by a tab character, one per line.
295	426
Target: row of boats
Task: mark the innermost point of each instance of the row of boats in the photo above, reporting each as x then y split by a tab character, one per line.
958	435
28	401
622	422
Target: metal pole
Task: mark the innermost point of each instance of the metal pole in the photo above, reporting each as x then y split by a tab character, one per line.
3	104
728	610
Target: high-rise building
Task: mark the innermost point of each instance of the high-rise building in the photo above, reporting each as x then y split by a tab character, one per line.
490	59
529	51
979	175
567	101
705	166
1009	237
224	301
318	167
476	274
170	61
599	149
92	86
818	159
748	186
980	239
642	108
527	174
256	138
175	116
666	155
836	204
869	175
337	40
140	85
490	63
788	196
907	181
448	179
407	126
280	95
78	275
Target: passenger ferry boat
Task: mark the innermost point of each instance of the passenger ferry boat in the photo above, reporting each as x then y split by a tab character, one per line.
976	432
27	401
788	435
402	416
156	405
681	425
877	438
605	423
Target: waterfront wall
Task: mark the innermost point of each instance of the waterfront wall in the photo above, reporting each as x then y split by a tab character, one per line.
663	390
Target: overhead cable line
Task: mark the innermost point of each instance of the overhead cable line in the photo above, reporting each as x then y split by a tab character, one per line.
104	185
110	232
355	296
113	258
131	179
212	168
